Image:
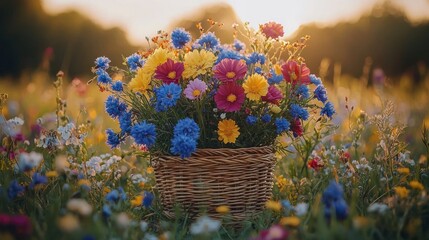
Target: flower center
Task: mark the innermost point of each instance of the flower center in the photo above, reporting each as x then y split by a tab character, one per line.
230	75
196	93
293	76
172	75
231	98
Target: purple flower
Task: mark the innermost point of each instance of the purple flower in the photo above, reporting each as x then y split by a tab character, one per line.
38	179
195	89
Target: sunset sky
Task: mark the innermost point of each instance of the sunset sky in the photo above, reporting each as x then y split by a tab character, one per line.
141	18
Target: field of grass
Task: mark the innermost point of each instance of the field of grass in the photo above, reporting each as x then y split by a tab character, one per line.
378	153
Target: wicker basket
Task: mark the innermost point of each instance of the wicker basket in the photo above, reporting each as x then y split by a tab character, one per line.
239	178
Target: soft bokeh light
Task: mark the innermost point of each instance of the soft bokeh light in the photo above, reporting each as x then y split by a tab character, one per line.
143	18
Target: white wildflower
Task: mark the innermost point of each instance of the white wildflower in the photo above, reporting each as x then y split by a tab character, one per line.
301	209
379	208
80	206
204	224
28	161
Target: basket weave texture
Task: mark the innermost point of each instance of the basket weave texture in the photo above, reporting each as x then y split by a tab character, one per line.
240	178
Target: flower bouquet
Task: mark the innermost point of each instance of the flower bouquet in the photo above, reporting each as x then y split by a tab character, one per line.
209	114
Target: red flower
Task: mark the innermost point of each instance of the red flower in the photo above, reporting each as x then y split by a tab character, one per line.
169	72
296	128
295	73
273	96
230	70
316	163
272	29
229	97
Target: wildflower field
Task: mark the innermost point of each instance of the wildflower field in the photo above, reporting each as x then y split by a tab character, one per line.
76	155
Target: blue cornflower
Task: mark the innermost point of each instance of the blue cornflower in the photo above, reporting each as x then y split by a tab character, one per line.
187	127
112	138
228	53
208	41
106	211
102	62
147	198
183	146
302	91
297	111
112	196
37	180
239	45
255	58
328	110
114	107
315	80
258	70
179	37
125	122
134	61
333	197
282	125
103	77
275	79
251	119
122	193
166	96
266	118
320	93
117	86
14	190
144	133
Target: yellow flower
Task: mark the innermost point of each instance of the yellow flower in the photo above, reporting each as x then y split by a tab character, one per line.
277	69
158	57
149	170
69	223
273	205
416	185
141	184
361	222
284	140
228	131
275	109
402	192
141	82
281	182
403	170
198	63
255	86
52	174
106	190
290	221
137	201
223	209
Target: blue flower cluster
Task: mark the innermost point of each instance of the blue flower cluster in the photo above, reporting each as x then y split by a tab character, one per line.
112	198
117	86
113	139
166	96
333	200
38	179
134	61
102	76
207	41
228	53
315	80
102	62
147	198
328	110
144	133
114	107
282	125
251	119
302	91
238	45
180	37
320	93
266	118
255	58
186	134
297	111
274	78
14	190
125	122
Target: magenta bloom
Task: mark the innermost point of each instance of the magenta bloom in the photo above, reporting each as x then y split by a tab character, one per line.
230	70
195	89
275	232
273	96
169	72
272	30
229	97
295	73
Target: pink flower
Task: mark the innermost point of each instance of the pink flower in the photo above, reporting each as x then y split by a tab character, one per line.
275	232
273	96
230	70
296	128
272	30
229	97
169	72
195	89
295	73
